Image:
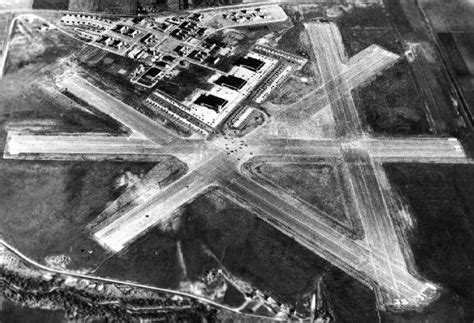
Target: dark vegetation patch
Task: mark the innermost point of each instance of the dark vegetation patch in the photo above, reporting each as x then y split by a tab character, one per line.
45	206
51	4
13	312
214	3
152	259
440	197
124	7
248	248
460	51
391	104
432	80
362	27
186	81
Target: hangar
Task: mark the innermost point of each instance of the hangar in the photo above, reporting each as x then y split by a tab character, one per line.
250	63
212	102
232	82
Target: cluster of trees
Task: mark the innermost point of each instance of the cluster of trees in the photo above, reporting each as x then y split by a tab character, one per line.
80	303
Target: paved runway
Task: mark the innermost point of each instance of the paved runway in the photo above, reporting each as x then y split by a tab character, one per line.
116	109
377	258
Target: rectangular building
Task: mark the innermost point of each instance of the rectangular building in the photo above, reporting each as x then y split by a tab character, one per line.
250	63
211	102
232	82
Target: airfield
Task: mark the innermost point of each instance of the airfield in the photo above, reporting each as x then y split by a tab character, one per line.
369	247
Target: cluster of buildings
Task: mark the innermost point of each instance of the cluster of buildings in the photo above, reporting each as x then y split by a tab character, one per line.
162	44
256	14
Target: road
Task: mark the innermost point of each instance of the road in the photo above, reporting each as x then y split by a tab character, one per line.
198	298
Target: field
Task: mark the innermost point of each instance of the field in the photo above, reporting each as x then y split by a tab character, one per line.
391	104
459	48
124	7
402	100
442	240
51	4
317	184
45	206
247	247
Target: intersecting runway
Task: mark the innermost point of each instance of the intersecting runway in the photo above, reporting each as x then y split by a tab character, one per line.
377	258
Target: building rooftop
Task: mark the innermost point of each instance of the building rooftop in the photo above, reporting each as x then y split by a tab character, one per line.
210	101
250	63
232	82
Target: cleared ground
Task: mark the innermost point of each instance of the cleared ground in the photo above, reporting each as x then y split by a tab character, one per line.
315	183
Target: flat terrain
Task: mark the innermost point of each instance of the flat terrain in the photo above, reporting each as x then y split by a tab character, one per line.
391	104
45	206
51	4
442	239
317	184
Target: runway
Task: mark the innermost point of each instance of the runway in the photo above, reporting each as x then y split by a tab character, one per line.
375	259
116	109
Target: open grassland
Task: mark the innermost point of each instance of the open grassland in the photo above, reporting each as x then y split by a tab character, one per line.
45	206
442	238
51	4
317	184
391	104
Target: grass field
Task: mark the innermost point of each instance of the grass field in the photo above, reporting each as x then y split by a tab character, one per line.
391	104
45	206
316	184
51	4
442	240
